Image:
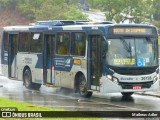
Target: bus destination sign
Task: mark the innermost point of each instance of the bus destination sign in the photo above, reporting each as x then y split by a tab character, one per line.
129	30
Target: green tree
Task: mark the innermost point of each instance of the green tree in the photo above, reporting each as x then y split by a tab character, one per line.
133	9
156	6
95	4
50	10
120	10
58	9
71	2
74	13
9	3
28	8
112	8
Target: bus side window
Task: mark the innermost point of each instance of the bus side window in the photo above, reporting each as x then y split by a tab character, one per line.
63	43
78	44
24	42
5	37
36	43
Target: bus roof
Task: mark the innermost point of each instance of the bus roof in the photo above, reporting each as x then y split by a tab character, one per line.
71	27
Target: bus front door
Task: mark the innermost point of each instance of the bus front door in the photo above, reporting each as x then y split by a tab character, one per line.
94	62
12	56
48	56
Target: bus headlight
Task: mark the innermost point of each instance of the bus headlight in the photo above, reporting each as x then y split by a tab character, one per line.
109	76
112	78
155	78
115	80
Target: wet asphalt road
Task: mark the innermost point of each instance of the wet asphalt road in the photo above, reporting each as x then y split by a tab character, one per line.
68	100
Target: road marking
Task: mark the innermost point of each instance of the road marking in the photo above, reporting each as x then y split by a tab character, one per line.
109	108
109	104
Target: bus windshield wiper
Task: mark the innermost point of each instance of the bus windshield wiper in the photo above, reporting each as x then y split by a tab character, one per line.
130	51
126	46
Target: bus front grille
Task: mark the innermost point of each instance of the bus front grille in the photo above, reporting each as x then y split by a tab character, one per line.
130	85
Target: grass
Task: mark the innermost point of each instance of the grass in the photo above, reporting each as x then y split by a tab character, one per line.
4	102
22	106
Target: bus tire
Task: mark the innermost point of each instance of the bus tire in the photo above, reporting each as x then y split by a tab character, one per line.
82	87
127	94
27	78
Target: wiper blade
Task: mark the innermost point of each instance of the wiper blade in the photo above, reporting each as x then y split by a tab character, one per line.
130	50
127	47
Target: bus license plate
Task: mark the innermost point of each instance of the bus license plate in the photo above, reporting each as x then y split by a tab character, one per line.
137	87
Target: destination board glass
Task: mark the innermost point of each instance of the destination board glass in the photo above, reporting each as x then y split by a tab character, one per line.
132	31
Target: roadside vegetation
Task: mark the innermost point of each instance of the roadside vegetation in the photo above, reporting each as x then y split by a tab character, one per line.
22	106
115	10
46	9
137	10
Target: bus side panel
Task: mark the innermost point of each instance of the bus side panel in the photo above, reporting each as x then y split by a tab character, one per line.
78	67
75	70
34	62
67	79
22	62
4	58
66	70
37	68
4	62
20	66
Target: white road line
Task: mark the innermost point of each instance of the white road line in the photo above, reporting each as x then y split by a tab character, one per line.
109	104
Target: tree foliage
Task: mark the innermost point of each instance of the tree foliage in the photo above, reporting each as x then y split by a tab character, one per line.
59	10
46	9
156	6
119	10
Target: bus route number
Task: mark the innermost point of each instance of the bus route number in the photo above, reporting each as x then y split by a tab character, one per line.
146	78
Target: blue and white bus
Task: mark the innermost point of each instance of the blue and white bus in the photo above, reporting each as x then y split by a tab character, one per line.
87	57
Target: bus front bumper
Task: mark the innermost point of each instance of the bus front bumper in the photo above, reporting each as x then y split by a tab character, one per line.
107	86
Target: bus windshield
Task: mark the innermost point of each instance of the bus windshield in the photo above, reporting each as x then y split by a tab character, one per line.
132	52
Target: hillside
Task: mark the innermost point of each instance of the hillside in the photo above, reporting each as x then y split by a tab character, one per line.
10	17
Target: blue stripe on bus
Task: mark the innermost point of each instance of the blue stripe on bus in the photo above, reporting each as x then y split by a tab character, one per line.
4	57
63	63
107	70
39	63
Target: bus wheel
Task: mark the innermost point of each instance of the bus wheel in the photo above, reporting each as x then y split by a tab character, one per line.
27	77
82	87
126	94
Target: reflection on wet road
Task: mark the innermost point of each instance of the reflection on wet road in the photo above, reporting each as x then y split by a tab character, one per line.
68	100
